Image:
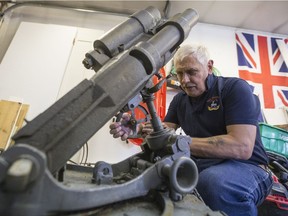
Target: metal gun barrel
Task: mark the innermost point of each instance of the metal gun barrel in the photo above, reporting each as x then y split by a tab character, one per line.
122	37
159	49
127	32
174	31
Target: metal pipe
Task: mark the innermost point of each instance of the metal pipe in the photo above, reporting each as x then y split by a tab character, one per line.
58	6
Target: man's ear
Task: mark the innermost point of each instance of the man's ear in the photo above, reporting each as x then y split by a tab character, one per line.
210	66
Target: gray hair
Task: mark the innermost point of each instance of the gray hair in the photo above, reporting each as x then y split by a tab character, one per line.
198	51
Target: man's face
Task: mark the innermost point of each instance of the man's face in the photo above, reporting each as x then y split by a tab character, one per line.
192	76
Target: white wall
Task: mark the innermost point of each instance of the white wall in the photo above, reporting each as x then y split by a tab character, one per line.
220	41
43	91
33	67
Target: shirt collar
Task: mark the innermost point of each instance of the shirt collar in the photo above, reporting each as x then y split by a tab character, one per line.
209	81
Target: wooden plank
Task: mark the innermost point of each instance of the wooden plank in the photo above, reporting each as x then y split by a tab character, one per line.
12	116
8	114
20	120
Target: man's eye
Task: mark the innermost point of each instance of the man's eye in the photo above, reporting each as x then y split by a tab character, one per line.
191	72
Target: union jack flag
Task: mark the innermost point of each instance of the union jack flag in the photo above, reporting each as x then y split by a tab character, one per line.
263	65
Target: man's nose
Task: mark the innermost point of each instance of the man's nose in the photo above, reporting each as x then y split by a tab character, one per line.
185	78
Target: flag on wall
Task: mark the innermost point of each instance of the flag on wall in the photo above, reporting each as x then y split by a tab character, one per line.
262	62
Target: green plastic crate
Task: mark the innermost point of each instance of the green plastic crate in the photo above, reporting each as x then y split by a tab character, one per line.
274	139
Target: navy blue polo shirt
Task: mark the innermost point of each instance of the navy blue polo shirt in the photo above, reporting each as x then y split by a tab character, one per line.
226	101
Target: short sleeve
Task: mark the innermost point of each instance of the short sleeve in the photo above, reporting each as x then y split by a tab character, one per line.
240	104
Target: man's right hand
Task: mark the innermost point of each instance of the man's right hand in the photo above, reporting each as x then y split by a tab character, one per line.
122	128
145	129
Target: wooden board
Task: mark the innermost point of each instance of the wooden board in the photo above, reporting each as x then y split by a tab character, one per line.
12	116
20	121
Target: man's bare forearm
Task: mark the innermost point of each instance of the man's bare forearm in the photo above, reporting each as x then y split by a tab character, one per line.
222	146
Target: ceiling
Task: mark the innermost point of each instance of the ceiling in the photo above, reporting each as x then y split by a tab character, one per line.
267	16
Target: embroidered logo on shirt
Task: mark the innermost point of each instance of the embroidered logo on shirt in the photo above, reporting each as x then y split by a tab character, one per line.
213	103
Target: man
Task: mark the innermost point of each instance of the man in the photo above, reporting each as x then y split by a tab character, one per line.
220	115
